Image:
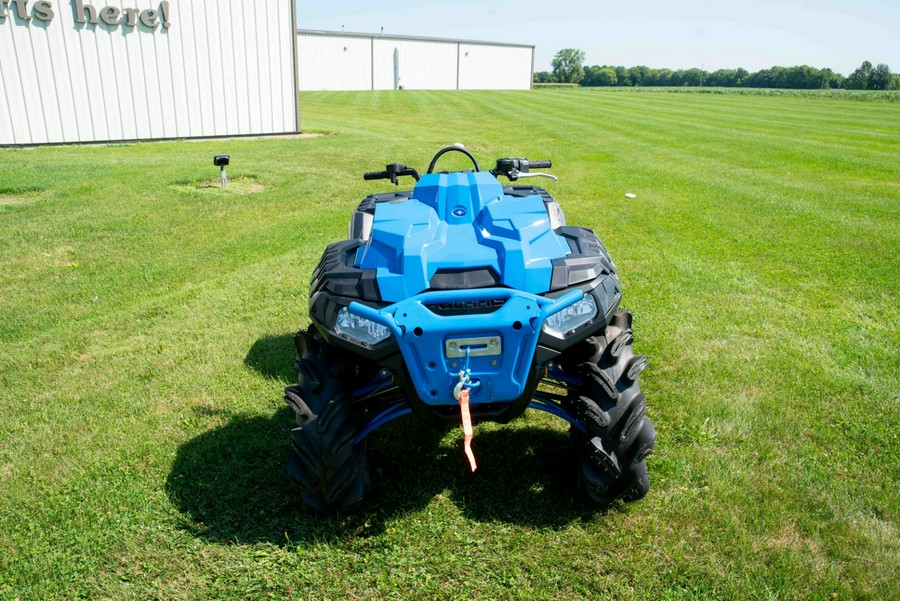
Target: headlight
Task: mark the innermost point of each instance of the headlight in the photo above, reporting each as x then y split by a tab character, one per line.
359	328
571	317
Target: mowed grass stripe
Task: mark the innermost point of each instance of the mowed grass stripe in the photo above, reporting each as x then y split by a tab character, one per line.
878	141
682	164
133	235
670	129
869	123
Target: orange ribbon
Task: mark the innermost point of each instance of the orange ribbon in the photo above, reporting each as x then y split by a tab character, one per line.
467	426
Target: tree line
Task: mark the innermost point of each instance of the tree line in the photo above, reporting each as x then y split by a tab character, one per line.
568	67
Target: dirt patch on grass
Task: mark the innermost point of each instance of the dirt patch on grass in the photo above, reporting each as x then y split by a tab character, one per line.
239	185
303	136
792	538
12	200
62	256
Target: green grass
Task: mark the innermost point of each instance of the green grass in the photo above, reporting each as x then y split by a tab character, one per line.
145	323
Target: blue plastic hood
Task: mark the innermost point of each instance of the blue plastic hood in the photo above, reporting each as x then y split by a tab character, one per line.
460	221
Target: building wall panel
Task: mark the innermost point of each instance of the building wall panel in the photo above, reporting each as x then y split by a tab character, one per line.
30	106
14	122
239	34
109	86
283	49
338	61
46	86
167	102
139	90
251	55
334	63
63	77
487	67
223	67
181	91
288	79
17	92
6	123
424	65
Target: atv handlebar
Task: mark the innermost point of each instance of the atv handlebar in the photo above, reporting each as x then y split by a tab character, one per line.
513	169
392	172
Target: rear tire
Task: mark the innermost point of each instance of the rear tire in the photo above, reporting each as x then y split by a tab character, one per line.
331	471
609	402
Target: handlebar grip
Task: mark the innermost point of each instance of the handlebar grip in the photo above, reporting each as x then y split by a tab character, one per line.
375	175
539	164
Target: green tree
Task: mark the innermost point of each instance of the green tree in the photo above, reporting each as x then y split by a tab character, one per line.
605	76
639	75
880	78
663	77
726	78
691	77
590	76
859	79
568	65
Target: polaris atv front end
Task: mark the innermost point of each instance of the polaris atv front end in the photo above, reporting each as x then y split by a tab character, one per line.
465	300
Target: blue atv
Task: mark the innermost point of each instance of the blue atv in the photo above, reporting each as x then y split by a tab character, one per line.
465	300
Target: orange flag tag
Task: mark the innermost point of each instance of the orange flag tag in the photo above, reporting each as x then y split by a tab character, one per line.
467	426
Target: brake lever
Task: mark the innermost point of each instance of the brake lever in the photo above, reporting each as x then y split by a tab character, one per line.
537	174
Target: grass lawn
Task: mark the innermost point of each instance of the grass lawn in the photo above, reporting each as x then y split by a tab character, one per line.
145	338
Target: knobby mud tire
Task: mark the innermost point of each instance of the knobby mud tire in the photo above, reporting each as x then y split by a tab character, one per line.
331	472
612	454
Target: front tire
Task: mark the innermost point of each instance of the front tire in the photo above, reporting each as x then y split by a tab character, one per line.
331	471
612	453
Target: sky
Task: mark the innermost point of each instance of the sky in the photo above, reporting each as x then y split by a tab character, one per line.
677	34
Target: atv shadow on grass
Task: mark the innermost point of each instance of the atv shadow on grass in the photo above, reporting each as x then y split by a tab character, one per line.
519	478
271	357
231	485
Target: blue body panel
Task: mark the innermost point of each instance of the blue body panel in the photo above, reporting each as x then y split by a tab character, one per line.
422	335
460	221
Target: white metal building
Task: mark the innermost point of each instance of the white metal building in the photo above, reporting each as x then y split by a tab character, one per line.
329	60
108	70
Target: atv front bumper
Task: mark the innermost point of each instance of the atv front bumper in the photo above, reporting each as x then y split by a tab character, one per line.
497	348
